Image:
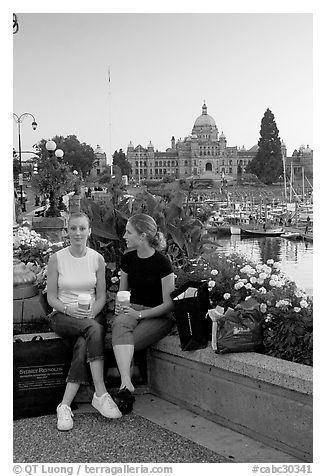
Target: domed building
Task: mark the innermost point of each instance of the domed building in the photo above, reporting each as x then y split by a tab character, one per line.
100	162
203	154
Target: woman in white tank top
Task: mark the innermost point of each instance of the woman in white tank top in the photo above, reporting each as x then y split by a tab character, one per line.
72	271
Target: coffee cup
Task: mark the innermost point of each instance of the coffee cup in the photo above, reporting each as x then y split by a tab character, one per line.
84	301
123	297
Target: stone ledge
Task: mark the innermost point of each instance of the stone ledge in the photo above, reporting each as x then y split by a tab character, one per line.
289	375
265	398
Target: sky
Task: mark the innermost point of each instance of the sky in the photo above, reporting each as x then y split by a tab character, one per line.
163	66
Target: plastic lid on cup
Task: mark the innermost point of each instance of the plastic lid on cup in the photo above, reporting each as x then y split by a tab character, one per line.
123	295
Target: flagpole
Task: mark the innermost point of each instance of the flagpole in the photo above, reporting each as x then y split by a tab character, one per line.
110	154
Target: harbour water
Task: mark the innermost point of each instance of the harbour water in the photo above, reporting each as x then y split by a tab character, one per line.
296	257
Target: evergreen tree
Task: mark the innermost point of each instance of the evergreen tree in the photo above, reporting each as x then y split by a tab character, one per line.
267	163
119	159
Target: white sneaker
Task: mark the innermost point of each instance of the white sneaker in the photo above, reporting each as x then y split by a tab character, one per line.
64	414
106	406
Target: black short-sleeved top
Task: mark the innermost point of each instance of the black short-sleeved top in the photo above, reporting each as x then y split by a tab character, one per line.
144	277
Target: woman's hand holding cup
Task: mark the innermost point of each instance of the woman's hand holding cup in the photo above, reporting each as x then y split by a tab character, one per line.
122	303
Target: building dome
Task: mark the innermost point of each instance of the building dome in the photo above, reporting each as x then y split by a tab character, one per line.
205	119
99	150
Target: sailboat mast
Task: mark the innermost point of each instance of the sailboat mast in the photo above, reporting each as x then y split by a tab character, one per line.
284	174
291	182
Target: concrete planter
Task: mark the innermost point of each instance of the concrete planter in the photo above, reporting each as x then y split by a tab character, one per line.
49	228
266	398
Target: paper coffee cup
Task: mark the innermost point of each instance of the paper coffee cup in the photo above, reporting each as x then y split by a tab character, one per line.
84	301
123	297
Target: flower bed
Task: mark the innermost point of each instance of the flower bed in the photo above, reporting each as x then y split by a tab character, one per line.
287	310
34	251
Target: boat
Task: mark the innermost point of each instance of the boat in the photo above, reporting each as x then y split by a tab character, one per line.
235	230
261	232
292	235
222	228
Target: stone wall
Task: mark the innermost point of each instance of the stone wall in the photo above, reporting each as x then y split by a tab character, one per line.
266	398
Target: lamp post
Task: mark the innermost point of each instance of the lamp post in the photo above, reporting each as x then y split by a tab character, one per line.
19	120
51	147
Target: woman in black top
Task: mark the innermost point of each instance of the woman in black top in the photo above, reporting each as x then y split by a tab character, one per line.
149	276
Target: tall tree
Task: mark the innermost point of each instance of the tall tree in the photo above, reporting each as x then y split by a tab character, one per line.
267	163
78	156
119	159
54	176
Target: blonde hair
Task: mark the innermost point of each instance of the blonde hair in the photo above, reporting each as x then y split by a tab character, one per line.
78	215
143	223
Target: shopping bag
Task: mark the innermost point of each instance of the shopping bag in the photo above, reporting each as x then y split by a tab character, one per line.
40	366
191	302
239	329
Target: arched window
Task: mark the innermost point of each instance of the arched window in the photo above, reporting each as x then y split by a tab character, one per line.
208	167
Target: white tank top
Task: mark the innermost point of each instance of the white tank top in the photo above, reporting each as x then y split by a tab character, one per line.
76	275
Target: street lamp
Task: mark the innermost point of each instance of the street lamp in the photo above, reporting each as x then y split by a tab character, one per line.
51	146
19	120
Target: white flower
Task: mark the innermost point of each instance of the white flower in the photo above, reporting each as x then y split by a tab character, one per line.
296	309
248	286
274	277
268	318
226	296
262	276
236	277
214	272
272	282
262	290
260	281
238	285
263	308
267	269
211	284
259	267
270	261
298	294
277	265
303	303
247	297
253	280
114	279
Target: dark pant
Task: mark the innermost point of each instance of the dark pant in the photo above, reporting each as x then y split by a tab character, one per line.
88	335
